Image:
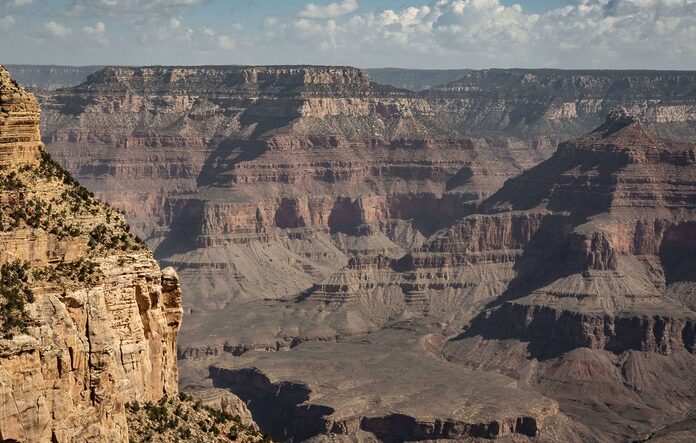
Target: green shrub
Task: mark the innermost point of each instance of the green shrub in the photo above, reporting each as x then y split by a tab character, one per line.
15	291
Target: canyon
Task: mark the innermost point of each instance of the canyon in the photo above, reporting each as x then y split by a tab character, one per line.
360	261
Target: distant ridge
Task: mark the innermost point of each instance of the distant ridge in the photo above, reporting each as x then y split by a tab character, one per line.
415	79
50	77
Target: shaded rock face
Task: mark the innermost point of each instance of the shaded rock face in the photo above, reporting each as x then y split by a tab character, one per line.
599	279
582	263
88	319
611	205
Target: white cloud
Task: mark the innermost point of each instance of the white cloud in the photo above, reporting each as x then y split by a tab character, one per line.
332	10
19	3
126	8
484	33
270	21
55	29
656	34
226	42
7	22
96	32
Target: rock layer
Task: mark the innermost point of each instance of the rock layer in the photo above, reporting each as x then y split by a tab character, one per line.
596	278
309	209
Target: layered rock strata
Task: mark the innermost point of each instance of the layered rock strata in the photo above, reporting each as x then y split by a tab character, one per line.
50	77
575	278
88	319
602	276
370	213
234	171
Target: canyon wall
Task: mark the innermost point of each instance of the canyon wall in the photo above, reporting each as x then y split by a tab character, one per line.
258	181
88	320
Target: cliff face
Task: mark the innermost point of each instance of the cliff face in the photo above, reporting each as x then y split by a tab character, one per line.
600	238
88	319
575	278
19	122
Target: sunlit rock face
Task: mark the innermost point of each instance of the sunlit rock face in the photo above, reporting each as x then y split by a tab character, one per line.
89	321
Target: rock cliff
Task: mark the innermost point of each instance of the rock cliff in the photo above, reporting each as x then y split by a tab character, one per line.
575	279
88	320
600	237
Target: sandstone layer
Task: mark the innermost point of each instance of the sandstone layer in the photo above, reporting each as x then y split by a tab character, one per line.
88	319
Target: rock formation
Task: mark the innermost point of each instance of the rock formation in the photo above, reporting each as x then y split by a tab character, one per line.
601	297
415	79
360	231
258	181
575	280
88	320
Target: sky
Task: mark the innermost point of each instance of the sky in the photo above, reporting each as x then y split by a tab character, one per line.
571	34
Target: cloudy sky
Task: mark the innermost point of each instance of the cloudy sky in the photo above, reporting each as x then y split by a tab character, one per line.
659	34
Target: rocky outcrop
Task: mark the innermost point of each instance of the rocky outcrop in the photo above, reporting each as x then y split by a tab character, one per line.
186	418
88	319
19	125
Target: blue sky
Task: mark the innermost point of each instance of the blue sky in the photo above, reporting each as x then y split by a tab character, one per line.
657	34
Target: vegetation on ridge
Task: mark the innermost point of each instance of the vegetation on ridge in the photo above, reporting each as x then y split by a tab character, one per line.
183	420
15	291
45	201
